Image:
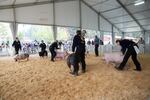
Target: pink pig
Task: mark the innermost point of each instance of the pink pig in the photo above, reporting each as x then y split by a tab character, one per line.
61	55
113	57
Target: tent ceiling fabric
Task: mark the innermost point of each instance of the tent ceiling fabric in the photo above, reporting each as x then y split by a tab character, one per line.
147	27
24	1
121	19
6	15
116	12
127	1
6	2
10	2
110	9
142	15
104	25
103	5
41	14
89	18
130	24
29	1
70	16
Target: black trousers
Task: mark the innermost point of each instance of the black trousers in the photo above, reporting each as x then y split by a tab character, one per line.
76	63
43	53
16	51
53	54
130	52
82	60
96	50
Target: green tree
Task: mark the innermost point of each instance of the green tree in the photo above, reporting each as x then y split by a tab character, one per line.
20	35
42	33
3	29
5	32
62	34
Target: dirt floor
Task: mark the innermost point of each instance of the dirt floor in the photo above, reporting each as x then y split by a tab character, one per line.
41	79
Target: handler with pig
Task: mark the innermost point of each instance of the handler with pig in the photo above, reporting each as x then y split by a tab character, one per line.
128	49
79	48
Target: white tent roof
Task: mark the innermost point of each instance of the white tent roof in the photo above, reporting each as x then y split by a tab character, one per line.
116	14
137	18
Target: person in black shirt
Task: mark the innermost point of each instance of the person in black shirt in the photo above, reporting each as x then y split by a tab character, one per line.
96	42
43	49
79	48
127	48
17	45
101	42
52	49
42	46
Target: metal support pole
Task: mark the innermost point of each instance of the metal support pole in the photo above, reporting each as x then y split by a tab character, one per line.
113	35
99	28
54	22
30	4
101	35
144	38
14	26
80	14
99	22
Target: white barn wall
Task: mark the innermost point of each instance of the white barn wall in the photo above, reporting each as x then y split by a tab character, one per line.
6	15
67	13
89	18
40	14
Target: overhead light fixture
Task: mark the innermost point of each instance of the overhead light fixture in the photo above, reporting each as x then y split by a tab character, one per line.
139	2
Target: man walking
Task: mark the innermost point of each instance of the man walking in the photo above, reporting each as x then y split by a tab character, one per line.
17	45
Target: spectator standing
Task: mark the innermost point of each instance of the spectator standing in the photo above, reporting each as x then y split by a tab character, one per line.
96	43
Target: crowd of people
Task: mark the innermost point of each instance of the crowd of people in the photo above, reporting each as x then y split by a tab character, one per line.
4	45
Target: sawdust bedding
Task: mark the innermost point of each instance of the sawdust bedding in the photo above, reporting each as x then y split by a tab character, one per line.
41	79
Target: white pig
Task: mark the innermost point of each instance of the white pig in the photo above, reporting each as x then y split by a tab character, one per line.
116	57
61	55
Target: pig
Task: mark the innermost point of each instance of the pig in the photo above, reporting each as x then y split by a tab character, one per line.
22	57
116	58
61	55
73	63
44	53
113	57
